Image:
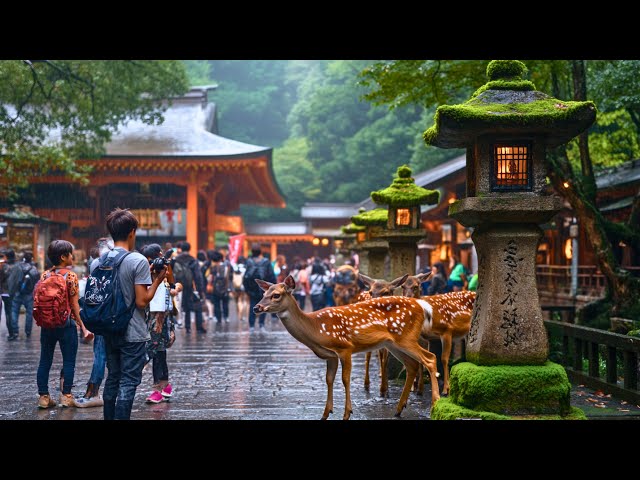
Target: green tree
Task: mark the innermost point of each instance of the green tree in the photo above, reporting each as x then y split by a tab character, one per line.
429	83
55	112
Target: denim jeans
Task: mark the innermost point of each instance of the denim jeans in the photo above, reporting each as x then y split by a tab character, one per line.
8	313
20	299
252	316
318	301
160	368
99	361
301	299
67	336
220	306
125	361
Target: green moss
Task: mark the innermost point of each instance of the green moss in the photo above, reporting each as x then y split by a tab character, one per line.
403	192
508	101
505	69
351	228
514	390
634	333
375	217
445	409
521	85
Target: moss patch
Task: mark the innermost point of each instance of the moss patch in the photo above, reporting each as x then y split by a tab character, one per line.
351	228
403	192
375	217
445	409
521	85
505	69
511	390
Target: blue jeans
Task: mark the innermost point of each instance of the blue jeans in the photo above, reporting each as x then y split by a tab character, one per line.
8	313
252	316
20	299
220	306
125	361
68	338
99	361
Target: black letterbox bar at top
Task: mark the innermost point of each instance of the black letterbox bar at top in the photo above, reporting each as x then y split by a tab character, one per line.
511	167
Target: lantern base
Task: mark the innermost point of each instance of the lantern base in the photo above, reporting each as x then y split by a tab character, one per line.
507	392
505	208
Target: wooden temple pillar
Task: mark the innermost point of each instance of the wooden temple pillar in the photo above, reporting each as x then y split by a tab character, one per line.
274	251
192	213
210	194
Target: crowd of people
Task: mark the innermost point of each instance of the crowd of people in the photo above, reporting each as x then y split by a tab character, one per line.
163	287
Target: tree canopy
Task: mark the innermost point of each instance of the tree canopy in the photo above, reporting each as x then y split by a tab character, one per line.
55	112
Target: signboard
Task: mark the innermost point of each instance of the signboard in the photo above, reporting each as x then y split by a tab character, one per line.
236	242
166	223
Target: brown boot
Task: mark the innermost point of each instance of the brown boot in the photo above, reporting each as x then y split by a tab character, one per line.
45	401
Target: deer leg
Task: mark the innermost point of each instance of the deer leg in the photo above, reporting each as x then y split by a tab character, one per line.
446	352
419	388
367	360
332	368
345	360
411	367
383	356
428	359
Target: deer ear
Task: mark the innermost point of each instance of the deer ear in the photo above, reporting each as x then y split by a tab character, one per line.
423	277
400	280
366	280
263	285
289	283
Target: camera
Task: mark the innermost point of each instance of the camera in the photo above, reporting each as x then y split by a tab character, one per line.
160	262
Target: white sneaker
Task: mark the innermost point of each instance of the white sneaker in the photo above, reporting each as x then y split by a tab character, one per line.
262	329
252	329
226	320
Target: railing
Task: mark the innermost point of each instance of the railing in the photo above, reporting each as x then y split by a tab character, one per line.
620	352
591	282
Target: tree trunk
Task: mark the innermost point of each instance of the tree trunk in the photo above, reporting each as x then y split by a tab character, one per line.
623	290
580	95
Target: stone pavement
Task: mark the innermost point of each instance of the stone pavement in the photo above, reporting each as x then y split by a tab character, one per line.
226	373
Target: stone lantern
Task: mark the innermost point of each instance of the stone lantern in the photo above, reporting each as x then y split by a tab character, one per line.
507	127
374	250
404	229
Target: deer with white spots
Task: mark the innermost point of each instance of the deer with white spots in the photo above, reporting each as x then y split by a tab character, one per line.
451	320
378	288
336	333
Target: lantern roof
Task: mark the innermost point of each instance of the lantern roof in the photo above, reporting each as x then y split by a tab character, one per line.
352	228
403	192
371	218
508	104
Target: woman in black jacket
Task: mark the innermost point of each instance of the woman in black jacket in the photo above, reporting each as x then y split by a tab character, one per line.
438	280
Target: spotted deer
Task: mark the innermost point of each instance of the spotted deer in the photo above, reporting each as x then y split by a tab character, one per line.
451	320
378	288
336	333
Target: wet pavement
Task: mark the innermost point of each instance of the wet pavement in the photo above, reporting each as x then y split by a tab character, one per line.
229	374
226	373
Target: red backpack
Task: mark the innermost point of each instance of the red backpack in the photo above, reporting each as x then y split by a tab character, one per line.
51	307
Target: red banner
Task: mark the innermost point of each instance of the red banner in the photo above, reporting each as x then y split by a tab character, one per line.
236	243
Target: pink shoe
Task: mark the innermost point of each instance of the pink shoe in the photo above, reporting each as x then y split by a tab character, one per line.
155	397
167	391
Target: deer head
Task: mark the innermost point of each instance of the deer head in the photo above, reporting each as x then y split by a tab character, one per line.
411	287
343	294
277	296
382	288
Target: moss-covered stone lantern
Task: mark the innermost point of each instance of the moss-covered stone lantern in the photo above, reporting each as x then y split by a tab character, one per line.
403	198
506	127
374	250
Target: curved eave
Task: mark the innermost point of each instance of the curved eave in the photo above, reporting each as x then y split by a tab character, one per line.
458	126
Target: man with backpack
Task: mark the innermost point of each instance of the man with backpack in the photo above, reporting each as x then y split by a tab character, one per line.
219	278
126	351
258	267
21	282
186	271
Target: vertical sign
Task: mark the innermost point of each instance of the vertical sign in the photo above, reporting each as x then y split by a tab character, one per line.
235	247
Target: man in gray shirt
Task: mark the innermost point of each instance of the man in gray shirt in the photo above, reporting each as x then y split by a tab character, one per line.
127	354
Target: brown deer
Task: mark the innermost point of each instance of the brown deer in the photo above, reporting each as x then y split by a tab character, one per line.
345	293
336	333
451	320
378	288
